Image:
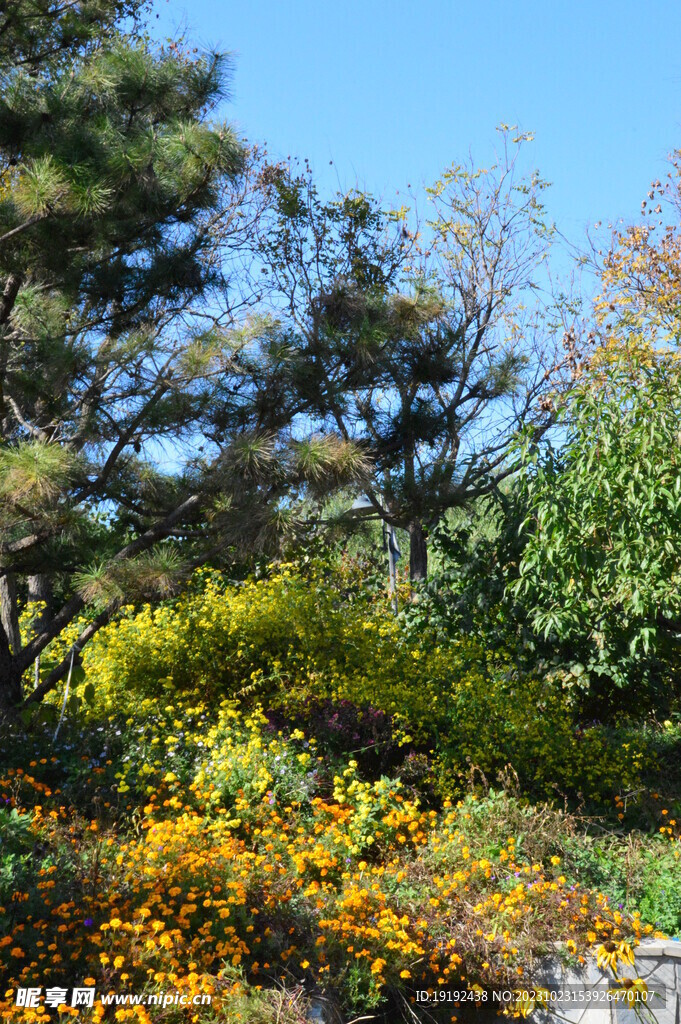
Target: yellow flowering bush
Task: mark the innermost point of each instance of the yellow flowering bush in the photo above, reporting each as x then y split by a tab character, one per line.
240	849
529	724
225	638
292	636
211	823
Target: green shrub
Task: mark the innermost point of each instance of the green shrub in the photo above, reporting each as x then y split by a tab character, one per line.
502	719
636	871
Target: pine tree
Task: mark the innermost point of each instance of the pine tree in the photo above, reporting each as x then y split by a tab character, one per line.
431	351
113	178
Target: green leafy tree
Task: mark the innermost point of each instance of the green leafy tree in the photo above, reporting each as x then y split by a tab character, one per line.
428	348
601	568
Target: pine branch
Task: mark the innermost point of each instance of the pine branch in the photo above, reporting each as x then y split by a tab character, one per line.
36	219
58	673
14	547
72	607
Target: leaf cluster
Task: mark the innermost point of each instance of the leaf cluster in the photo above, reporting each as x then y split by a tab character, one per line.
601	565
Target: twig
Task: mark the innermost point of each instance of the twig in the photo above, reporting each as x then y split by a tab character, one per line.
66	696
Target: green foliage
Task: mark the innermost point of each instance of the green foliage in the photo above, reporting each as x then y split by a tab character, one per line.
38	29
601	565
635	871
16	844
476	553
501	719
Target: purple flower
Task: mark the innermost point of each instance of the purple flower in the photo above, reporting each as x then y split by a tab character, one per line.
88	922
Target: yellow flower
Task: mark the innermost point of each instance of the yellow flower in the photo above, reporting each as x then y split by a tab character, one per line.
632	991
610	953
526	1002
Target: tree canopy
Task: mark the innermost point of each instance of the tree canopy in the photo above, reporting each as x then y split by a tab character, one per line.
425	344
114	178
601	566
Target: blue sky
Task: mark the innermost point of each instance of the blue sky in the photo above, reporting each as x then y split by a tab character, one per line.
393	92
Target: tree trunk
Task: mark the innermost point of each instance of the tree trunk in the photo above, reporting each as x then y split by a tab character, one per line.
10	676
9	612
40	589
11	693
418	552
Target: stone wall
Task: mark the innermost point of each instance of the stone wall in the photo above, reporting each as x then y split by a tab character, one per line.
658	963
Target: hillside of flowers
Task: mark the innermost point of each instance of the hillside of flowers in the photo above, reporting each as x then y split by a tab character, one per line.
244	807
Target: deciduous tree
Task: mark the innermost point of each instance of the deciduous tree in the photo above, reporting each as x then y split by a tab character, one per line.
602	563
